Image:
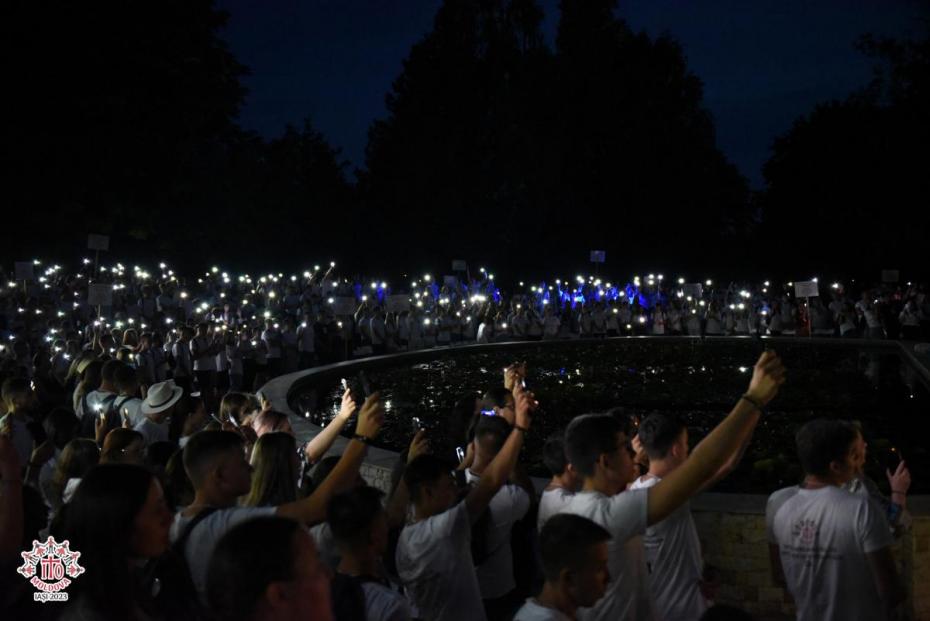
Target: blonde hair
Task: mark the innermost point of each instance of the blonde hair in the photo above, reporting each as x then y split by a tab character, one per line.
78	456
275	465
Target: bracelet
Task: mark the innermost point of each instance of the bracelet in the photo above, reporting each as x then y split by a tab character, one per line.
895	491
754	403
362	439
523	429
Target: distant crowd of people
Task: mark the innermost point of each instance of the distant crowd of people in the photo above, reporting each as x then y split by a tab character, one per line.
178	513
222	332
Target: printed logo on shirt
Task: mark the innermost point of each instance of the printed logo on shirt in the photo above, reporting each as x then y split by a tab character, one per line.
806	531
49	567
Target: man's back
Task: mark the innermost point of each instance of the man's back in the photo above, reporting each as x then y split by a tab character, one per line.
824	536
624	517
673	557
435	564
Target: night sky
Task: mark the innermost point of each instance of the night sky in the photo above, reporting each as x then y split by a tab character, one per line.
763	62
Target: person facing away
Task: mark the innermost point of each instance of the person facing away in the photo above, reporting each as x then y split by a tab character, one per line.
563	485
574	557
360	588
599	450
216	464
831	548
673	550
434	558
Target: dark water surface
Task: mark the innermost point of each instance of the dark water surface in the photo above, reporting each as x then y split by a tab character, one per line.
698	381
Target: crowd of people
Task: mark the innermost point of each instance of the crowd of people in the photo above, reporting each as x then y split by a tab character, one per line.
178	513
219	332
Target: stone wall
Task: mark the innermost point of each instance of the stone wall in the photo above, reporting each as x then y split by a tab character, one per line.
734	542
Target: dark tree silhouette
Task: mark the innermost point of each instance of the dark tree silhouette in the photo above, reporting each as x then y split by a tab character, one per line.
853	174
515	151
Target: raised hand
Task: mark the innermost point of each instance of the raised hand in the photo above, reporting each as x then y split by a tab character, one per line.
418	446
900	481
348	405
525	405
371	417
767	377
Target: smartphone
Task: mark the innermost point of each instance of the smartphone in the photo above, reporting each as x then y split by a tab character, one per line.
488	413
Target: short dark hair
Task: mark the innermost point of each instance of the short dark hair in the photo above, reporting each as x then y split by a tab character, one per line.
204	447
125	378
659	432
554	455
422	471
821	442
351	514
587	438
627	418
497	397
565	541
246	560
491	432
110	369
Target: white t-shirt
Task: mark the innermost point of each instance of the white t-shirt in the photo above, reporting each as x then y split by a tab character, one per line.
435	564
202	541
326	548
305	336
551	502
675	563
96	398
534	611
823	537
624	516
203	361
130	408
384	604
152	432
509	505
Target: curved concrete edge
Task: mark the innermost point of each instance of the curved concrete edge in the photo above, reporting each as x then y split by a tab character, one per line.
379	462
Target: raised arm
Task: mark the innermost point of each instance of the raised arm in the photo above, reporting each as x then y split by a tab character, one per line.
312	510
498	471
722	443
323	441
396	509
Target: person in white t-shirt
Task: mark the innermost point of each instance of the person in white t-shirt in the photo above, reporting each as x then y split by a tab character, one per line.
831	548
510	504
551	325
574	557
128	404
600	452
156	412
434	558
563	485
306	342
673	550
215	462
359	527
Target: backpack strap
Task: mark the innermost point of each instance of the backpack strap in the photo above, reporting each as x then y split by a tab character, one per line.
181	542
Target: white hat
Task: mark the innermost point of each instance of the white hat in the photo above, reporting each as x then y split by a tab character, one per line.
161	396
